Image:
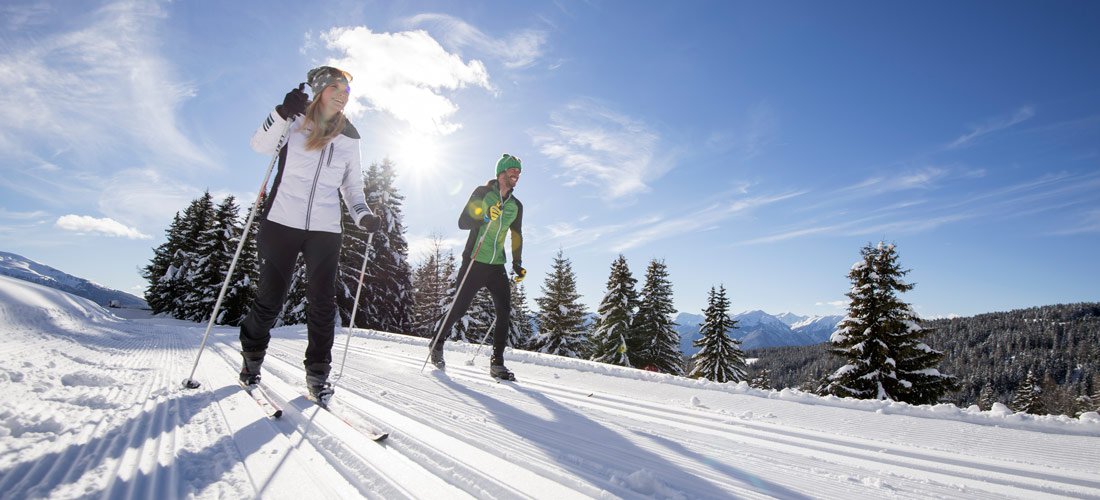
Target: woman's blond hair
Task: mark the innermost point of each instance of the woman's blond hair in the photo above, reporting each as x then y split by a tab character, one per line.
318	132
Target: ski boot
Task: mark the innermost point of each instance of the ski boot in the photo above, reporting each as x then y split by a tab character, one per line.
320	390
250	367
497	370
321	394
437	357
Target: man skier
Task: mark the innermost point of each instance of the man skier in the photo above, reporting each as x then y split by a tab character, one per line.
492	208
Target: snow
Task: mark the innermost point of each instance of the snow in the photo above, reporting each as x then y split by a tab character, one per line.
91	405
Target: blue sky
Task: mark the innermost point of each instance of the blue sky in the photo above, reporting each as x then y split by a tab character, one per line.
757	145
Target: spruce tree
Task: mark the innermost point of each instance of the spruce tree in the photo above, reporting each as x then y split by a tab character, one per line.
161	269
986	397
214	250
430	281
244	283
882	339
1028	397
654	325
197	219
520	333
387	296
613	341
761	379
561	316
720	358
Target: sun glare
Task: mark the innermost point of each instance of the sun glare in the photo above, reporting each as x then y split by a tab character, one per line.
418	155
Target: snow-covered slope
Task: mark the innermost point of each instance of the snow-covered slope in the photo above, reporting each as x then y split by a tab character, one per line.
91	406
25	269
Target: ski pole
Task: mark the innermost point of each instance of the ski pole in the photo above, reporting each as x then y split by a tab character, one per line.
189	382
354	309
483	339
454	299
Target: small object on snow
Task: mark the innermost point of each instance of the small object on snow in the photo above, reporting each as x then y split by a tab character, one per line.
695	401
190	383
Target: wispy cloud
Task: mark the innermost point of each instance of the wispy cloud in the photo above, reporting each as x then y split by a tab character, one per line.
758	134
104	226
1087	222
991	126
519	49
597	146
404	74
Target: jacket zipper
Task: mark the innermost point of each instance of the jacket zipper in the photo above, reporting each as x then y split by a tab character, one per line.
500	226
316	179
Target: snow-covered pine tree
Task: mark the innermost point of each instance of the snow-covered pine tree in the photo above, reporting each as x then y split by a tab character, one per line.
654	325
214	250
561	316
613	341
430	282
243	286
720	358
986	397
761	379
881	338
161	269
197	218
295	305
1028	397
520	333
387	296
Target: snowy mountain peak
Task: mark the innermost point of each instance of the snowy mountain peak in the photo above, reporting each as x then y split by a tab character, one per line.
20	267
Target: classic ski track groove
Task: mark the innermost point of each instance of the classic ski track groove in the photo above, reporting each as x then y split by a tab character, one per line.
976	472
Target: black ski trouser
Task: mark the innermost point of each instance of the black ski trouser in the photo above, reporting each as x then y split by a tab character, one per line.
493	277
279	247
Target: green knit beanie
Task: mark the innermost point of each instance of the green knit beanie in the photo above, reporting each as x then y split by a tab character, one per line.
506	162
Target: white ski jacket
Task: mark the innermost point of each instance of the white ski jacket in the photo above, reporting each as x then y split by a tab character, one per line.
304	194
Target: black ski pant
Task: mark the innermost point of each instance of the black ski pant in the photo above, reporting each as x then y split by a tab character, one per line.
493	277
279	247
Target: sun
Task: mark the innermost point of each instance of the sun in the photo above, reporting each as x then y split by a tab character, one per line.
417	154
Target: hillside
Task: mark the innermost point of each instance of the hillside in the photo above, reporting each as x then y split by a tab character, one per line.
25	269
92	407
1060	344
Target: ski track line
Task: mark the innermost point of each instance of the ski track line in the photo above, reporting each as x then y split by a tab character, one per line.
370	465
693	463
276	460
974	471
447	458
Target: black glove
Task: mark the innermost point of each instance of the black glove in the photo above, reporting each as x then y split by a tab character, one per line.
294	103
370	223
520	273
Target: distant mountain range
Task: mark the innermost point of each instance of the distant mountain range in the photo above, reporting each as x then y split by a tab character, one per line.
25	269
757	329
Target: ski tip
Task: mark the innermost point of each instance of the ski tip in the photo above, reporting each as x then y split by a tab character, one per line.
277	414
189	383
380	437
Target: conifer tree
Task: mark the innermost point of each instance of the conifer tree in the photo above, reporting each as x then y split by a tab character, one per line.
561	316
244	283
161	269
387	296
197	218
720	358
295	307
214	250
430	282
986	397
881	338
613	341
654	325
1028	397
520	333
761	379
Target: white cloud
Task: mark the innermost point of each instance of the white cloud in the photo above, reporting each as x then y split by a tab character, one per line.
1019	116
602	148
101	87
104	226
520	49
404	74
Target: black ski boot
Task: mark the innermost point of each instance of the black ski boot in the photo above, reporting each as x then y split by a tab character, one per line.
250	367
499	371
437	357
320	390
